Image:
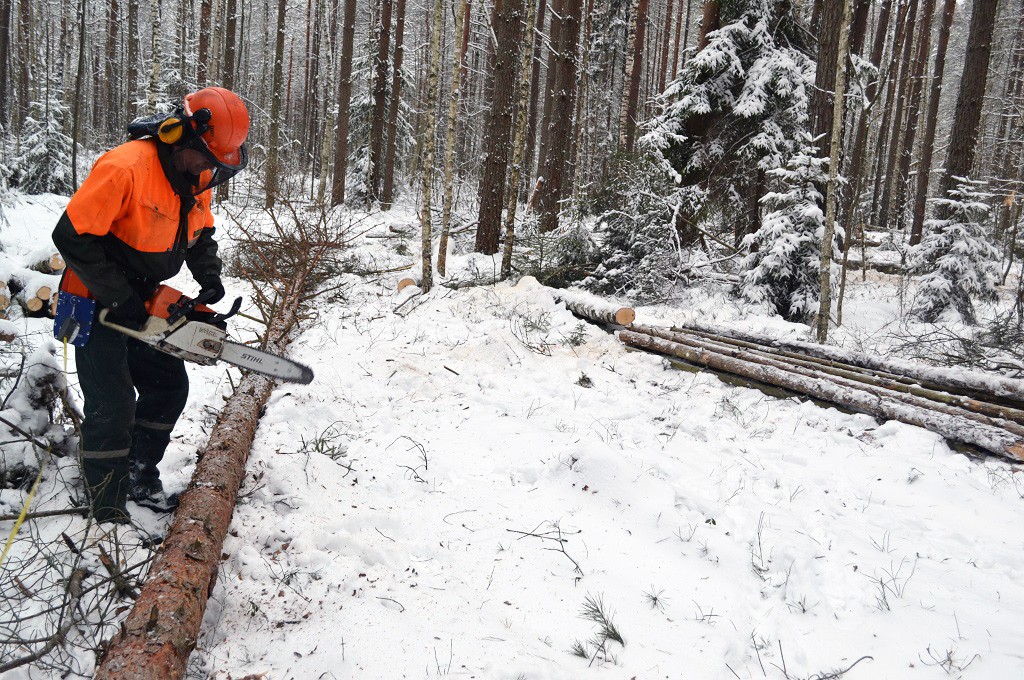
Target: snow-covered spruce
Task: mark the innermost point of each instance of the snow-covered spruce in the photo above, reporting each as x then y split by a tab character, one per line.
784	255
736	112
956	256
43	164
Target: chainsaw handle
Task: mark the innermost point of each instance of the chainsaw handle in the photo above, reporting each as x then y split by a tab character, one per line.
186	306
235	307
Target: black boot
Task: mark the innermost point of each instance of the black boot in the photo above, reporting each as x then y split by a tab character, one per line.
146	489
106	481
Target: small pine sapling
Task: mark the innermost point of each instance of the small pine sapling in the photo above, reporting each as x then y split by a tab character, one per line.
956	256
784	255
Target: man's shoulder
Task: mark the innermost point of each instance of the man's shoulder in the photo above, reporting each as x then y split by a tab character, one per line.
136	154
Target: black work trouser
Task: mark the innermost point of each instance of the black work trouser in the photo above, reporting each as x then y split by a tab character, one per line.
124	437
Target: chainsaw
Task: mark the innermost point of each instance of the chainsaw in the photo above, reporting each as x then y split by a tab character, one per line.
180	326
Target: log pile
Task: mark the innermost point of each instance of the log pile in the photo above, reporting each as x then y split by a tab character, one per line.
32	287
981	410
992	425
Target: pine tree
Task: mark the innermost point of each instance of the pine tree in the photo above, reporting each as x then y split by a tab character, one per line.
957	259
781	267
44	164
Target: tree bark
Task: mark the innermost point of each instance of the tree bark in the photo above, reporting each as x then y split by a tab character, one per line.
924	165
825	79
531	122
77	124
506	20
273	150
856	169
396	101
519	145
132	68
634	64
348	32
5	66
970	99
430	133
903	94
667	43
825	272
549	86
561	115
380	93
461	33
710	22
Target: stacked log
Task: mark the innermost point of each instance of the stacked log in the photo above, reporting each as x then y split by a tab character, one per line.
953	380
5	299
956	420
594	308
34	291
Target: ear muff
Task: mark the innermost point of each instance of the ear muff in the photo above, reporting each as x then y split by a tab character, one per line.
170	131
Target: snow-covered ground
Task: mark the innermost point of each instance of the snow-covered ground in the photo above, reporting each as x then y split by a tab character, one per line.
466	473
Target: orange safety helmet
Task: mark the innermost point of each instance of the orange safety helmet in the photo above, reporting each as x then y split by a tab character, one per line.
225	126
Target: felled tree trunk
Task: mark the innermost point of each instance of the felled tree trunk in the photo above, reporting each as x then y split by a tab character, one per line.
955	428
594	310
160	632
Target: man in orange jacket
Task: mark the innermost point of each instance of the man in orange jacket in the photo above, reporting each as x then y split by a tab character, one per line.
143	211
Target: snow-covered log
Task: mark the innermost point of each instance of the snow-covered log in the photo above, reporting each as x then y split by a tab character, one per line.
5	299
875	378
857	382
594	308
47	263
160	632
993	439
406	282
932	377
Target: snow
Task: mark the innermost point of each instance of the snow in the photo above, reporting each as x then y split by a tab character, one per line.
401	514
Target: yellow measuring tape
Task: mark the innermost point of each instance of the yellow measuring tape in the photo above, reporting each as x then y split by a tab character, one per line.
35	486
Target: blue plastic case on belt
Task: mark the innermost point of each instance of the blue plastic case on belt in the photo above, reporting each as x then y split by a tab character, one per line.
74	318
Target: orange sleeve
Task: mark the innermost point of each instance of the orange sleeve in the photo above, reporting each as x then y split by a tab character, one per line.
102	199
205	200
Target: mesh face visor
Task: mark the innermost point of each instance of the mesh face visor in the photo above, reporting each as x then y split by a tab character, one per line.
222	168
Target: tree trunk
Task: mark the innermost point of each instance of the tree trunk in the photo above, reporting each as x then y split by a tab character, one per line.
924	165
430	133
970	99
396	101
561	114
132	69
203	65
348	33
903	93
77	125
902	177
112	118
531	122
634	64
5	66
549	86
461	32
273	150
710	22
506	20
680	40
825	303
856	170
666	44
519	145
822	105
380	93
227	77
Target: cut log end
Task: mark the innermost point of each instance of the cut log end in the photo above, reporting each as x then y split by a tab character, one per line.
405	283
625	316
33	304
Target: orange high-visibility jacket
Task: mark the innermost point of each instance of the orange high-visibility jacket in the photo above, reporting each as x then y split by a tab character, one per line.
134	222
